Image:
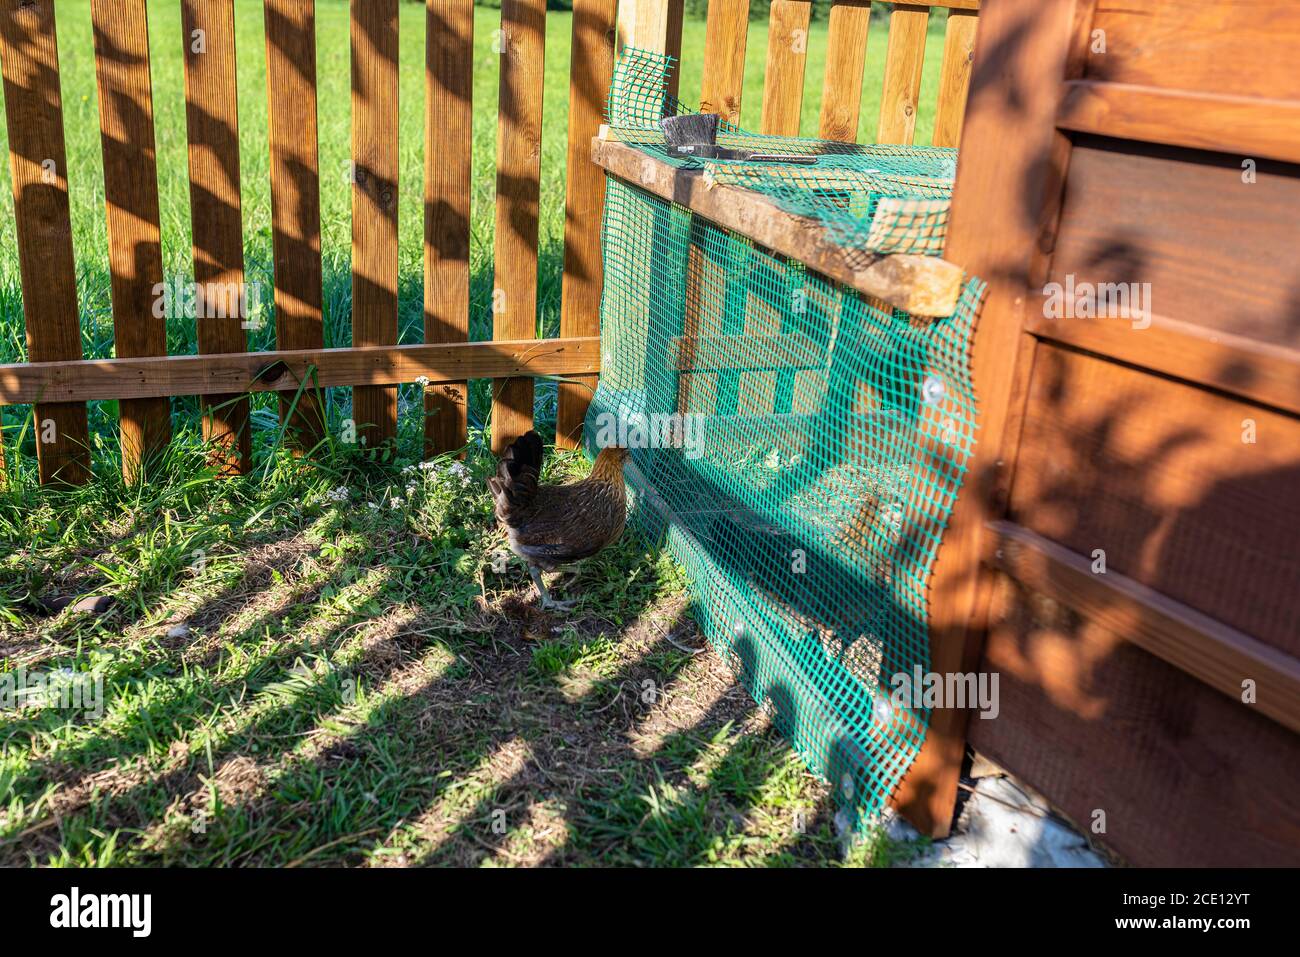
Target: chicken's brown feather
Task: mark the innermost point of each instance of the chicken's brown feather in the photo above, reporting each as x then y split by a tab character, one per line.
550	525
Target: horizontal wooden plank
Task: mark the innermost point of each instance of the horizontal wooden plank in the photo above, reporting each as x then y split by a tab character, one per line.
282	371
1246	367
1185	776
752	352
1241	47
920	285
1188	491
1209	242
1250	127
1209	650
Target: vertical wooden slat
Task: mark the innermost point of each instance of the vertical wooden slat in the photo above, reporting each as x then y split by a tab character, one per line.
449	75
295	194
654	25
374	205
592	65
519	145
954	76
121	30
846	57
904	58
1014	160
212	122
658	28
39	170
787	52
725	33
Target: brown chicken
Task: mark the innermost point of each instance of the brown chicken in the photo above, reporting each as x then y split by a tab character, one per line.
553	525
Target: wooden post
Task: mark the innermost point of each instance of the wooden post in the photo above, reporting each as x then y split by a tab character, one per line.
39	169
449	84
131	194
592	66
374	206
1023	54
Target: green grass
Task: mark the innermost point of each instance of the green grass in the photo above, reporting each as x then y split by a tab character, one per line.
290	679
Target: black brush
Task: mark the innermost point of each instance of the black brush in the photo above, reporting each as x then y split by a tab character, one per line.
690	131
696	135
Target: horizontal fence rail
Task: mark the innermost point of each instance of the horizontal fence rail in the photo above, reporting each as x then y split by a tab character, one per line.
88	380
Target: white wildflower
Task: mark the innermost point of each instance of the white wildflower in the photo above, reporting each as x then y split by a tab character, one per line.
460	471
428	466
396	502
422	381
340	494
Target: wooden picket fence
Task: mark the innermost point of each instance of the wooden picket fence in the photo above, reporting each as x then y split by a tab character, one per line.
58	381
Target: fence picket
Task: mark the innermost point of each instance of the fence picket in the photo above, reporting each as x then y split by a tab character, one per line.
295	195
954	76
519	149
449	76
846	57
787	53
904	58
374	205
725	33
212	124
121	29
592	67
39	169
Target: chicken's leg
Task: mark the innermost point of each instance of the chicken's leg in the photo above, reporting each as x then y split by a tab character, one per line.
547	601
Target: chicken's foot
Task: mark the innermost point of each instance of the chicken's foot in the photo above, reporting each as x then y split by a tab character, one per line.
547	601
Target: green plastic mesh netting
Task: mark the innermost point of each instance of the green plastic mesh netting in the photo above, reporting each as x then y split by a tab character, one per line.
871	198
797	447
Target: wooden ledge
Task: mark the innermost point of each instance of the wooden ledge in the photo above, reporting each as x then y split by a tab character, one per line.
919	285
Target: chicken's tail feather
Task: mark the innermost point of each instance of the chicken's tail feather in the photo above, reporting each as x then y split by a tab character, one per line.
514	487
